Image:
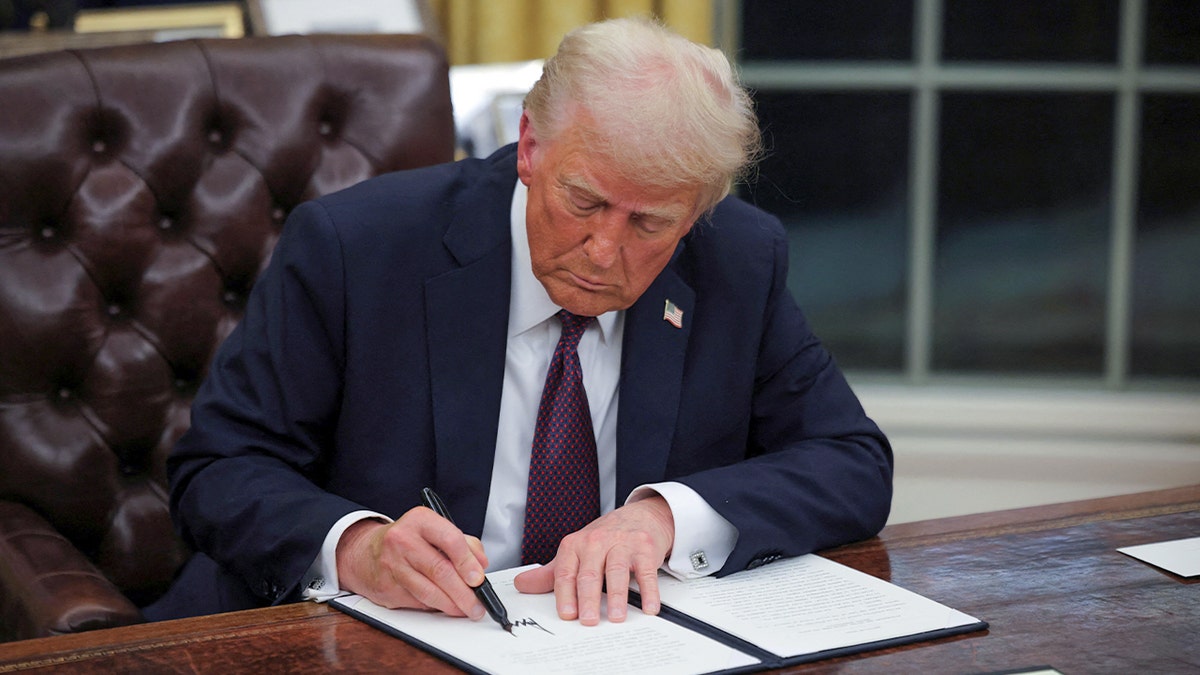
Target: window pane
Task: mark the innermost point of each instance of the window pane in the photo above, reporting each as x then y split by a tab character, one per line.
1031	30
836	174
1173	32
820	29
1166	293
1023	229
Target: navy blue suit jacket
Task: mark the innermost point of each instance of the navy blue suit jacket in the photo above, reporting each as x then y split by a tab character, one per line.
370	358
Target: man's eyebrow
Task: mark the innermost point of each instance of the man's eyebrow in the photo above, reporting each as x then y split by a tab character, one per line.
582	186
668	214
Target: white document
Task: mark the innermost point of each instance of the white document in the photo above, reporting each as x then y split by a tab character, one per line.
543	643
808	605
1181	556
790	611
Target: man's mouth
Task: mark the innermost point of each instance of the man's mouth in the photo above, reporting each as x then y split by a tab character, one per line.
586	283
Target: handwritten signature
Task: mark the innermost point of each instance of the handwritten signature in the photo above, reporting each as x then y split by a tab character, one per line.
531	624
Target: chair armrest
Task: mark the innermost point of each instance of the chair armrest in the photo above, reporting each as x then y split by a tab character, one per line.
47	587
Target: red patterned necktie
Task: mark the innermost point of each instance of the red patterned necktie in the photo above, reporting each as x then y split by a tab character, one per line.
564	483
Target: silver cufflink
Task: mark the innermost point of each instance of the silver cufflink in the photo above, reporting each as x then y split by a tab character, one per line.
699	560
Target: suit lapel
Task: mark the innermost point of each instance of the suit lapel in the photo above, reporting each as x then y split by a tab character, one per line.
467	330
651	381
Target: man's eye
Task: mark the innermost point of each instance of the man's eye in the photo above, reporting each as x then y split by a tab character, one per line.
648	225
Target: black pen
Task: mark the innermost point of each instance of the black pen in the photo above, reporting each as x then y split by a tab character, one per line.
485	593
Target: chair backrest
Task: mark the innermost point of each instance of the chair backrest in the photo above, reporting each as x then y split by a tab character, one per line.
142	189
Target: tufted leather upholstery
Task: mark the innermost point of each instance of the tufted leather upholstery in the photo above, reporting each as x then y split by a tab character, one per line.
142	189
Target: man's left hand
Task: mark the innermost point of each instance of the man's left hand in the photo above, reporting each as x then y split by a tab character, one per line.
632	541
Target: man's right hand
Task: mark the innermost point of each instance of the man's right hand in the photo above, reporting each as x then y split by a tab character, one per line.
420	561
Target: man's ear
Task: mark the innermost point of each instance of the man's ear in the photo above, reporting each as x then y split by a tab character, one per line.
526	144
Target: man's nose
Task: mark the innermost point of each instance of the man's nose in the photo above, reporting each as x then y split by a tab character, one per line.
604	242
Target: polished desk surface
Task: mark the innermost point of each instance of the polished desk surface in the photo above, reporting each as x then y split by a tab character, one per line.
1048	579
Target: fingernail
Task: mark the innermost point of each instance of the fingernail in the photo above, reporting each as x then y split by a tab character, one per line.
590	615
477	612
616	614
474	579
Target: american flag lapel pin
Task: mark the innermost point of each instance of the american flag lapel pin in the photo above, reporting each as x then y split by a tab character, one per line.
673	315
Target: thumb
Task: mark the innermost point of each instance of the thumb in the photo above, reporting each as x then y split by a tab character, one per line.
536	580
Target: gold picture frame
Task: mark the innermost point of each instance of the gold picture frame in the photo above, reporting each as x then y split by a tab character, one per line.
218	19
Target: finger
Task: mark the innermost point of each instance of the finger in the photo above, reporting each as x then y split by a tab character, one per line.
435	581
401	583
566	567
616	576
402	559
396	597
424	593
453	544
588	584
537	580
647	580
452	567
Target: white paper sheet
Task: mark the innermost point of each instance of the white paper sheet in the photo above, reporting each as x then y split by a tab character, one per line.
1181	556
808	604
542	643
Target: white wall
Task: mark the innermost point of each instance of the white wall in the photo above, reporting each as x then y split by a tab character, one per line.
966	450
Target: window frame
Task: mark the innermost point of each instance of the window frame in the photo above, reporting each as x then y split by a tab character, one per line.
925	78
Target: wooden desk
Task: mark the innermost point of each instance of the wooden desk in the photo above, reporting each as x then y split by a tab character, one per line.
1048	579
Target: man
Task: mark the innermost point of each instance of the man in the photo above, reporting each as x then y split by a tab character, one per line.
405	327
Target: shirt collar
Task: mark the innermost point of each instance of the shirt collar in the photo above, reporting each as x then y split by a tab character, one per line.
529	304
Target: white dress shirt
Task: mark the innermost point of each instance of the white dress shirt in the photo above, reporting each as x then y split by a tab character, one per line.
703	539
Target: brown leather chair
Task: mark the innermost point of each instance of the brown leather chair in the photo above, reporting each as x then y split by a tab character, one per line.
142	189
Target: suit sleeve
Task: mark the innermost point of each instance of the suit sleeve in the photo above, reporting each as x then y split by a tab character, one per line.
817	471
244	476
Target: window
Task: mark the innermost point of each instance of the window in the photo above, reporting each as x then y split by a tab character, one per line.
845	200
987	187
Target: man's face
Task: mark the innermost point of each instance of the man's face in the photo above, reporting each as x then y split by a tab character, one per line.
597	240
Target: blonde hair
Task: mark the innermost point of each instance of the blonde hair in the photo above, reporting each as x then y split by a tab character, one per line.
666	110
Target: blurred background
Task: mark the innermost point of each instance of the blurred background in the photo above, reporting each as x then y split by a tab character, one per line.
994	205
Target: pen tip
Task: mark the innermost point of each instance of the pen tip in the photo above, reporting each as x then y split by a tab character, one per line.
508	627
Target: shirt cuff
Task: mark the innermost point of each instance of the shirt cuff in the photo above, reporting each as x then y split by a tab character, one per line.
703	538
321	579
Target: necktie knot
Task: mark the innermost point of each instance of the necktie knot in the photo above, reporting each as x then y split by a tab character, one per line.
573	327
